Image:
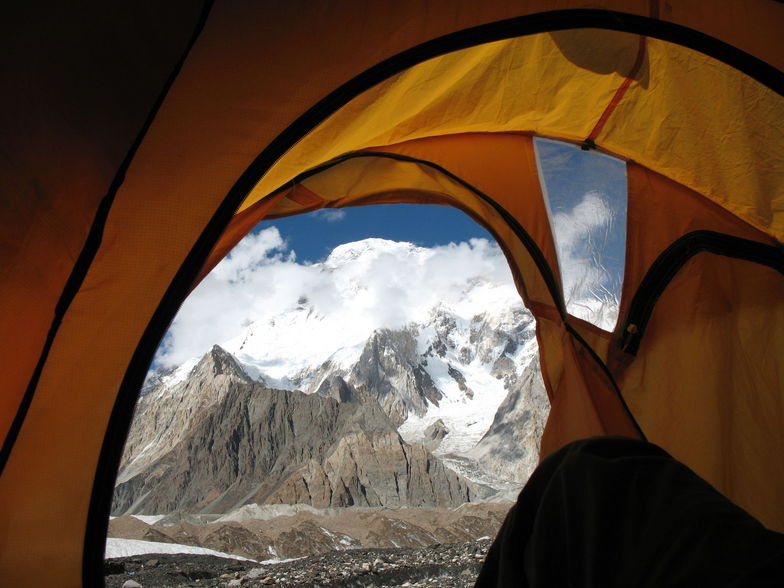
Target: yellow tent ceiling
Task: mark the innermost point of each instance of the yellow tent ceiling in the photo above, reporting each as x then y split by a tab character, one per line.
132	136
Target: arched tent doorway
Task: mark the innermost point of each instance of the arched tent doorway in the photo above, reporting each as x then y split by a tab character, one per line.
260	96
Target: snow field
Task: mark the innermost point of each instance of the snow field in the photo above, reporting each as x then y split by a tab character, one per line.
131	547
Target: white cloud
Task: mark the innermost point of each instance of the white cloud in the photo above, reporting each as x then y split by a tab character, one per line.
388	284
330	215
254	251
581	236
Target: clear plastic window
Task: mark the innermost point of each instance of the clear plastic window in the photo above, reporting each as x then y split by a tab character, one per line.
586	198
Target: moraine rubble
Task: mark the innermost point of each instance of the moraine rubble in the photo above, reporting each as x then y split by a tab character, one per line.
447	566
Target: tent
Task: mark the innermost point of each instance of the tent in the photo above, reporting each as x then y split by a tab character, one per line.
141	141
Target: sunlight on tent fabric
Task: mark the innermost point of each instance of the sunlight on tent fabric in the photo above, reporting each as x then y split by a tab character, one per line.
585	193
134	132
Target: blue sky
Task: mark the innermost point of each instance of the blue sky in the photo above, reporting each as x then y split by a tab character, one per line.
312	236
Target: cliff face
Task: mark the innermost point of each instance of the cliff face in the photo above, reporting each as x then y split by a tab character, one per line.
380	470
391	371
218	440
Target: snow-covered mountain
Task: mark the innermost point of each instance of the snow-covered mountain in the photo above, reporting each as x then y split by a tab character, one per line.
440	368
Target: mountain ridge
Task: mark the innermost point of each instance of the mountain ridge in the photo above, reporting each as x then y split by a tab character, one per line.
257	445
444	392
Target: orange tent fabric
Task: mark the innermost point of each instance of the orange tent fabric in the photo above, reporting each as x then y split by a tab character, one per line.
139	140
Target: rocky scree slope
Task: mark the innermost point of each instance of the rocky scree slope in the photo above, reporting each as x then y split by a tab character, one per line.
254	532
439	566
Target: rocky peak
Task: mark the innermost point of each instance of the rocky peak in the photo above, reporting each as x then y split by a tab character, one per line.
334	386
257	445
219	362
390	370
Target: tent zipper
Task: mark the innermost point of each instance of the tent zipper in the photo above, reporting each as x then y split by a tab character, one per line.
672	259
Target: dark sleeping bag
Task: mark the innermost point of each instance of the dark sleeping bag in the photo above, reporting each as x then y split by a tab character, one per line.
614	512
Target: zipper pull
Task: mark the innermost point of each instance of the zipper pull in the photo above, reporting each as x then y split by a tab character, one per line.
630	333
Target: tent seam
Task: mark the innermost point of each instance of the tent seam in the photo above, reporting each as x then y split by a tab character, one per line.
94	541
590	141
